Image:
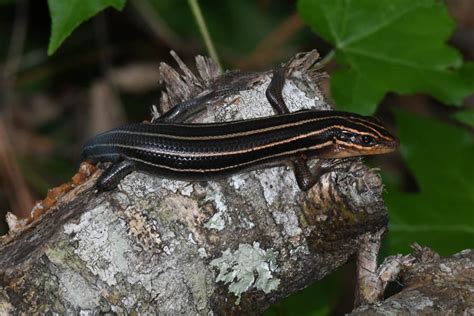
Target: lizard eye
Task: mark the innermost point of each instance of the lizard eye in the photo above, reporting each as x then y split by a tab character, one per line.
367	140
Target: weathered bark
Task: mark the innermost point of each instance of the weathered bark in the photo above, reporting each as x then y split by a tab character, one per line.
235	245
431	285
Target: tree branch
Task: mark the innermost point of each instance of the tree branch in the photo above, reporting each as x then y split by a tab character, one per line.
170	247
431	285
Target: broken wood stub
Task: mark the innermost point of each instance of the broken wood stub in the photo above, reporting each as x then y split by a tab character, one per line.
431	285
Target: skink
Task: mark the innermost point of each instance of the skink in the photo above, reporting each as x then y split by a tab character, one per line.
207	151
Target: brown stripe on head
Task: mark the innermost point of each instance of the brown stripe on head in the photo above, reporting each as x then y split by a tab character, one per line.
360	136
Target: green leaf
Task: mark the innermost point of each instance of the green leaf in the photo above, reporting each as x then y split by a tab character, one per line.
389	45
441	215
466	117
66	15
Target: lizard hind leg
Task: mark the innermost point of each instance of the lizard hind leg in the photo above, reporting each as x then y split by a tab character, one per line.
110	178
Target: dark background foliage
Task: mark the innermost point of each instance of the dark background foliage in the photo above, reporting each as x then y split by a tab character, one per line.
406	61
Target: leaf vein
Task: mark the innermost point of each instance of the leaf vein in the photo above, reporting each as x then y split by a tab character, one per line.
376	28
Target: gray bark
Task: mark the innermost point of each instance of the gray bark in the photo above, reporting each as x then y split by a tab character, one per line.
231	246
431	285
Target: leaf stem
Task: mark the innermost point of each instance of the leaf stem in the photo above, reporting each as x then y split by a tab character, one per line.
325	60
196	10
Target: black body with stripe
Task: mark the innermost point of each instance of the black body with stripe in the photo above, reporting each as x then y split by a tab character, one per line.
204	151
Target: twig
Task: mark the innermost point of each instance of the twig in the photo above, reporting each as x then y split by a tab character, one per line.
204	31
20	199
20	196
325	60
